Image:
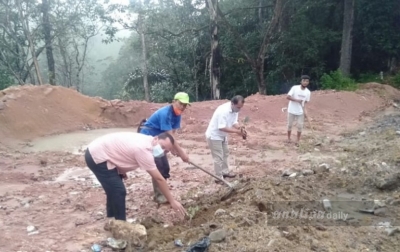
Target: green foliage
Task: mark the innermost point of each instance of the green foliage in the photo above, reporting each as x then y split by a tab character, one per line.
369	77
395	81
335	80
5	79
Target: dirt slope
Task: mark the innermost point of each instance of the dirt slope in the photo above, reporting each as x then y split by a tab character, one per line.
30	111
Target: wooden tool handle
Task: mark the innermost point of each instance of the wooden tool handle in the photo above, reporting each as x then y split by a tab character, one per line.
209	173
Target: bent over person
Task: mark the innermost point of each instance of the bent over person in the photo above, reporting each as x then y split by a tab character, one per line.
223	122
298	96
166	119
111	156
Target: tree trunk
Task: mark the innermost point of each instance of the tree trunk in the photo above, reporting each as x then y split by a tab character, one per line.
347	37
48	42
259	71
25	27
215	58
66	72
144	55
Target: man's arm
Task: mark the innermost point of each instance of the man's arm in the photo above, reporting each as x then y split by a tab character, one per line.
161	182
222	126
290	96
177	149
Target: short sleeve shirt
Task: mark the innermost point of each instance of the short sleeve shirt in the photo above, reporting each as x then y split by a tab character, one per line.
223	117
125	151
296	92
164	119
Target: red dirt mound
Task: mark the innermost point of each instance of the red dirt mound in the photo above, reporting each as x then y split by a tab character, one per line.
29	111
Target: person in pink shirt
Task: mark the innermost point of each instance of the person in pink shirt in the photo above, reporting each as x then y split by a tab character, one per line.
111	156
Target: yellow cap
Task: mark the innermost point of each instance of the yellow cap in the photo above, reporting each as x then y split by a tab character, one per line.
182	97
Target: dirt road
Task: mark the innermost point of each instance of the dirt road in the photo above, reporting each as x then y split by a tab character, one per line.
352	156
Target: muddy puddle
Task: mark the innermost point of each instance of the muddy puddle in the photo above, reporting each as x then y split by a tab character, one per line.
74	142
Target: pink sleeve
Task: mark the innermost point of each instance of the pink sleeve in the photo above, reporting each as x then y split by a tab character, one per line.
145	160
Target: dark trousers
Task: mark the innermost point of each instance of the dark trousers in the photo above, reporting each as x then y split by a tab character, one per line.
162	166
112	184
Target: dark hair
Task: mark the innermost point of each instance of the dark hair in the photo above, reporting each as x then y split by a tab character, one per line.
305	77
236	99
166	135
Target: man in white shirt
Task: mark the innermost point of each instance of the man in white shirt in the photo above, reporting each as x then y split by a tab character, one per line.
223	122
298	96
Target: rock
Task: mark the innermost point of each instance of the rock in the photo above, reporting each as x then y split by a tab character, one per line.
363	133
392	231
134	234
80	222
380	212
178	243
395	203
116	244
322	168
287	173
30	229
320	227
293	175
270	243
327	205
379	204
217	235
390	182
9	97
2	105
219	212
308	172
398	132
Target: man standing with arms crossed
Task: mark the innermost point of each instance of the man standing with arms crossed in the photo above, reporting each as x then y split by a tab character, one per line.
223	122
166	119
298	96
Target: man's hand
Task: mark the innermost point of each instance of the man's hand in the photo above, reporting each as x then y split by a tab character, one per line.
244	132
124	176
178	208
185	158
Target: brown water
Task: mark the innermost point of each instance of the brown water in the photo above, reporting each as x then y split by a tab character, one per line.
74	142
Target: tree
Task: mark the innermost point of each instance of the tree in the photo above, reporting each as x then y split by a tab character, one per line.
48	41
258	63
347	37
215	58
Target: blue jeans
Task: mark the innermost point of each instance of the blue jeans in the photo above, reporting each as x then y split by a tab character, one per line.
113	186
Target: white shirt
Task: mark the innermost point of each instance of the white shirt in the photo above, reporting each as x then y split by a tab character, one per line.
223	117
296	92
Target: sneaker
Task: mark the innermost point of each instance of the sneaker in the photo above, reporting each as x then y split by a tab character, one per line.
229	175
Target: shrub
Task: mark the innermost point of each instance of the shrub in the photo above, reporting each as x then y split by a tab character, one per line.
336	80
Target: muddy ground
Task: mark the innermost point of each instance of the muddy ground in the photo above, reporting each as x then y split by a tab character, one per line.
352	155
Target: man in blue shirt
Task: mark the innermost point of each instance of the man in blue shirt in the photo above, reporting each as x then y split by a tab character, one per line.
166	119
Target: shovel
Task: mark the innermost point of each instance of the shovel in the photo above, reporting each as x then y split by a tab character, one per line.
231	188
